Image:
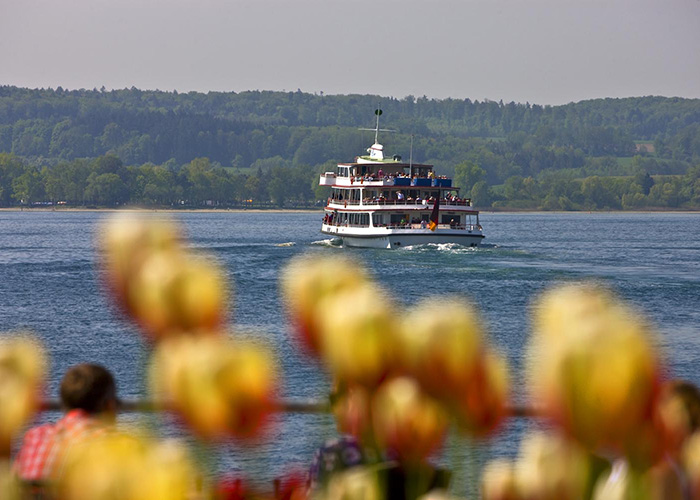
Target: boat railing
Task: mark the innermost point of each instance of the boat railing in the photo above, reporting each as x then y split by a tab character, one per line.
402	203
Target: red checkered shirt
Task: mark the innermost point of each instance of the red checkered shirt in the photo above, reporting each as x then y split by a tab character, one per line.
40	455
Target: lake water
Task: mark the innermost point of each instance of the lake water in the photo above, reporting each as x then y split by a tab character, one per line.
49	284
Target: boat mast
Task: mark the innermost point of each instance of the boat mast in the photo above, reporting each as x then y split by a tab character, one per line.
410	159
377	112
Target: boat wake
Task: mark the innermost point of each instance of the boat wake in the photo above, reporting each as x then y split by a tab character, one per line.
330	242
287	244
441	247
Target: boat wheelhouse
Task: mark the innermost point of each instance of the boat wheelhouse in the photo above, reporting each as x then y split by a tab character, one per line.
386	203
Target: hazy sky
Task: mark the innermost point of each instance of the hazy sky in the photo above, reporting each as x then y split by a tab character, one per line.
541	51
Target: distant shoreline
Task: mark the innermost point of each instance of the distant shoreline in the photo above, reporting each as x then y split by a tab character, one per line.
166	210
320	210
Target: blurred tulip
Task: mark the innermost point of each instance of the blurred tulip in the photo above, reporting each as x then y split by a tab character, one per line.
358	335
307	281
481	406
126	240
352	411
220	387
547	468
441	342
552	468
443	346
120	466
175	292
498	481
358	483
593	367
22	371
9	486
625	483
407	423
691	463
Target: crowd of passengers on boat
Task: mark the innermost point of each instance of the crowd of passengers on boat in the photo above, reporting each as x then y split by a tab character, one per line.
362	220
380	175
400	199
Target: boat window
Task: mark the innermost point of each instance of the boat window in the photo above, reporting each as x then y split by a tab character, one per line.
450	219
377	219
396	218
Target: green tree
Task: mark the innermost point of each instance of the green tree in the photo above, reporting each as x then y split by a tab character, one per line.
105	189
28	187
467	174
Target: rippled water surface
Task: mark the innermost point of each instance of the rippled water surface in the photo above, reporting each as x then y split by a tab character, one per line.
49	284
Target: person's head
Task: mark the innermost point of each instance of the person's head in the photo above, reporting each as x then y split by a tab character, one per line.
680	411
89	387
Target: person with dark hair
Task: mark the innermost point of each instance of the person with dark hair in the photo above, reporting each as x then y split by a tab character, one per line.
89	397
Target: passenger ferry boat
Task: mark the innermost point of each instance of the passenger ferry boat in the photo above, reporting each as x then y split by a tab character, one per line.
386	203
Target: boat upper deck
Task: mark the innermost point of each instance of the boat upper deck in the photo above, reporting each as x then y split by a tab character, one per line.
354	175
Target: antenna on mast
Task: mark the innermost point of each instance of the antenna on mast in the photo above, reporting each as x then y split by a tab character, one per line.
376	129
377	112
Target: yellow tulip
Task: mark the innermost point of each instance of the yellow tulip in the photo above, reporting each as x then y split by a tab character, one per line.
442	345
354	484
221	388
9	486
406	421
481	405
442	341
593	367
352	411
691	463
551	468
358	335
126	467
176	292
306	281
126	239
22	372
498	481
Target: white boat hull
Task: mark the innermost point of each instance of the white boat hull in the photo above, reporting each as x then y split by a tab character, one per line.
398	238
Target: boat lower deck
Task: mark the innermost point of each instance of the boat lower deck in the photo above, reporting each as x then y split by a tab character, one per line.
397	238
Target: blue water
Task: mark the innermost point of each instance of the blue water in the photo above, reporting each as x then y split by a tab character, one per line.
49	284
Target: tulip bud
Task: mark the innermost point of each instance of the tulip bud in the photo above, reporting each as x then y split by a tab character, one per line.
552	468
307	281
691	463
358	335
9	485
593	367
126	467
352	411
407	422
354	484
442	341
220	387
498	481
442	345
22	372
481	406
126	240
176	292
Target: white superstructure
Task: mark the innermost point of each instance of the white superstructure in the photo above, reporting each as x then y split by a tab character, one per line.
385	203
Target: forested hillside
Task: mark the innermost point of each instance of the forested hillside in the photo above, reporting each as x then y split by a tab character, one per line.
96	147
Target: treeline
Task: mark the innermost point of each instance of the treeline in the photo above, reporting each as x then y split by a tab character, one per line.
106	181
227	148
